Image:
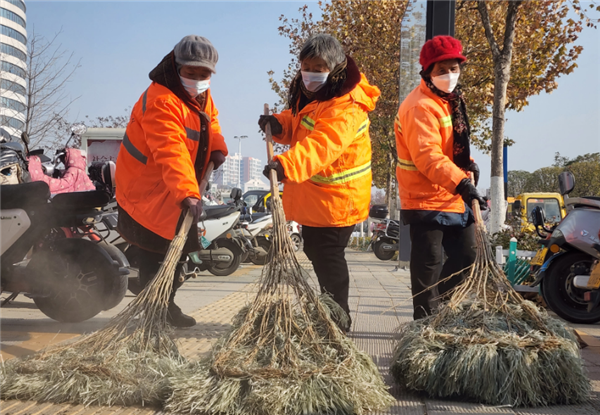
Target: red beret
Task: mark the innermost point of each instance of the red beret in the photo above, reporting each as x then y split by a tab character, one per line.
440	48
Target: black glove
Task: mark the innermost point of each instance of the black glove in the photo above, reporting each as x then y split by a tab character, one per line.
276	127
217	158
473	167
194	205
469	193
274	165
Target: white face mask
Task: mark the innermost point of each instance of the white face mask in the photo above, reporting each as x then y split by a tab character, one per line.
193	87
313	81
446	83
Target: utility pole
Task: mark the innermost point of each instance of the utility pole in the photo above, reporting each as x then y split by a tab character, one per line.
240	137
441	15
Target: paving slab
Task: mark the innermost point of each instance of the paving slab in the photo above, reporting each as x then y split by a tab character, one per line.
380	303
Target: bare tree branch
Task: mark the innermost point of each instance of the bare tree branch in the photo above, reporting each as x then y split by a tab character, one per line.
487	25
509	32
49	68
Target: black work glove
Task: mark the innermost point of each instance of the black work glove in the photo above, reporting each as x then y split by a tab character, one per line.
194	205
469	193
276	127
274	165
217	158
473	167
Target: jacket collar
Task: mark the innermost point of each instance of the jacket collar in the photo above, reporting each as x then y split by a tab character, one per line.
166	74
352	79
425	89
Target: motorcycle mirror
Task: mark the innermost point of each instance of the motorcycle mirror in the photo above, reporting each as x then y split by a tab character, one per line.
537	217
78	129
25	137
250	211
566	182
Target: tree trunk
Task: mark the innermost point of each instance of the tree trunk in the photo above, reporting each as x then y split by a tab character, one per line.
502	76
390	193
502	64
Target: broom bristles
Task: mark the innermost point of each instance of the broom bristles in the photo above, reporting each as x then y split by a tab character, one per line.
489	345
284	353
124	363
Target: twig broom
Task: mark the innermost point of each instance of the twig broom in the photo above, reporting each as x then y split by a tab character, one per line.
284	354
489	345
125	363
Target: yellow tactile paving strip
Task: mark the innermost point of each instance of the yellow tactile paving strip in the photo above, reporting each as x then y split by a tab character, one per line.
213	321
380	302
37	342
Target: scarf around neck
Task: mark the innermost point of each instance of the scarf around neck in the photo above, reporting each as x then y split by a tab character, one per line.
460	124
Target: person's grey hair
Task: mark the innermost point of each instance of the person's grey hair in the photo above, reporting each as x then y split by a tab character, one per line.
325	47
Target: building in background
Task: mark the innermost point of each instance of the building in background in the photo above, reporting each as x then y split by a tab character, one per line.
251	169
13	57
255	184
228	174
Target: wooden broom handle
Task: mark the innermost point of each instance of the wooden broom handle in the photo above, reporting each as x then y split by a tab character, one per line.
204	182
269	140
189	218
476	208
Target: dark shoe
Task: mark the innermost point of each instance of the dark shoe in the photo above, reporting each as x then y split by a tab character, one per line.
176	318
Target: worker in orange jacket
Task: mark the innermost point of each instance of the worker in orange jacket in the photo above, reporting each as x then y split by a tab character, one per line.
171	137
432	139
327	170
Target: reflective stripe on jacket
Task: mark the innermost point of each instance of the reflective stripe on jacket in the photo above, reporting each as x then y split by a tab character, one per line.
328	167
156	163
427	176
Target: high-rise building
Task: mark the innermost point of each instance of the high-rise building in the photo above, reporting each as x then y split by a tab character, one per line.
13	57
251	169
228	174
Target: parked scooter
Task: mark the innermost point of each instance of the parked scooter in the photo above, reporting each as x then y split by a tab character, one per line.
256	234
385	241
570	274
386	238
48	254
294	230
223	249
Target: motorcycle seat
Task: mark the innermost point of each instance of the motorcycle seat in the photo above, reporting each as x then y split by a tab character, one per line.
78	201
24	195
218	211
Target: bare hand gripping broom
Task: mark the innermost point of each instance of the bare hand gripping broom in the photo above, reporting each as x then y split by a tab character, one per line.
489	345
125	363
284	354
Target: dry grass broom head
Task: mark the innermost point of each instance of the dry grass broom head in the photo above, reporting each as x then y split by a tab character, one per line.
284	354
489	345
125	363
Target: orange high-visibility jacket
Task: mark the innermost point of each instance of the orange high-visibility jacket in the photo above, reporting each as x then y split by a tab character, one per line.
328	167
427	176
155	166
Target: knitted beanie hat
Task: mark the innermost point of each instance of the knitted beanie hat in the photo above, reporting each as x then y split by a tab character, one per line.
440	48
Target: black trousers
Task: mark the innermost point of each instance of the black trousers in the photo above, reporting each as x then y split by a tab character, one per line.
325	249
150	263
427	266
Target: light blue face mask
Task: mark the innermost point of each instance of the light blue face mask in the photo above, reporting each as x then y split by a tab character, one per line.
193	87
313	81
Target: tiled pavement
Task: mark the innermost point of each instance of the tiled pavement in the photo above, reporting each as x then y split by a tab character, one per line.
380	300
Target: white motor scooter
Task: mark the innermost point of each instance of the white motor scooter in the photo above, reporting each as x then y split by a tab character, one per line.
256	234
222	247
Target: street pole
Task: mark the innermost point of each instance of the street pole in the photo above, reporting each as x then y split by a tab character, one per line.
440	18
240	137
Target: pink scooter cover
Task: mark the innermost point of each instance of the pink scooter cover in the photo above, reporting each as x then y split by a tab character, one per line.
75	178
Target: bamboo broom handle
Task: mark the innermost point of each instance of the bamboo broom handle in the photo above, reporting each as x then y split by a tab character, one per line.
475	207
272	173
204	182
189	218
